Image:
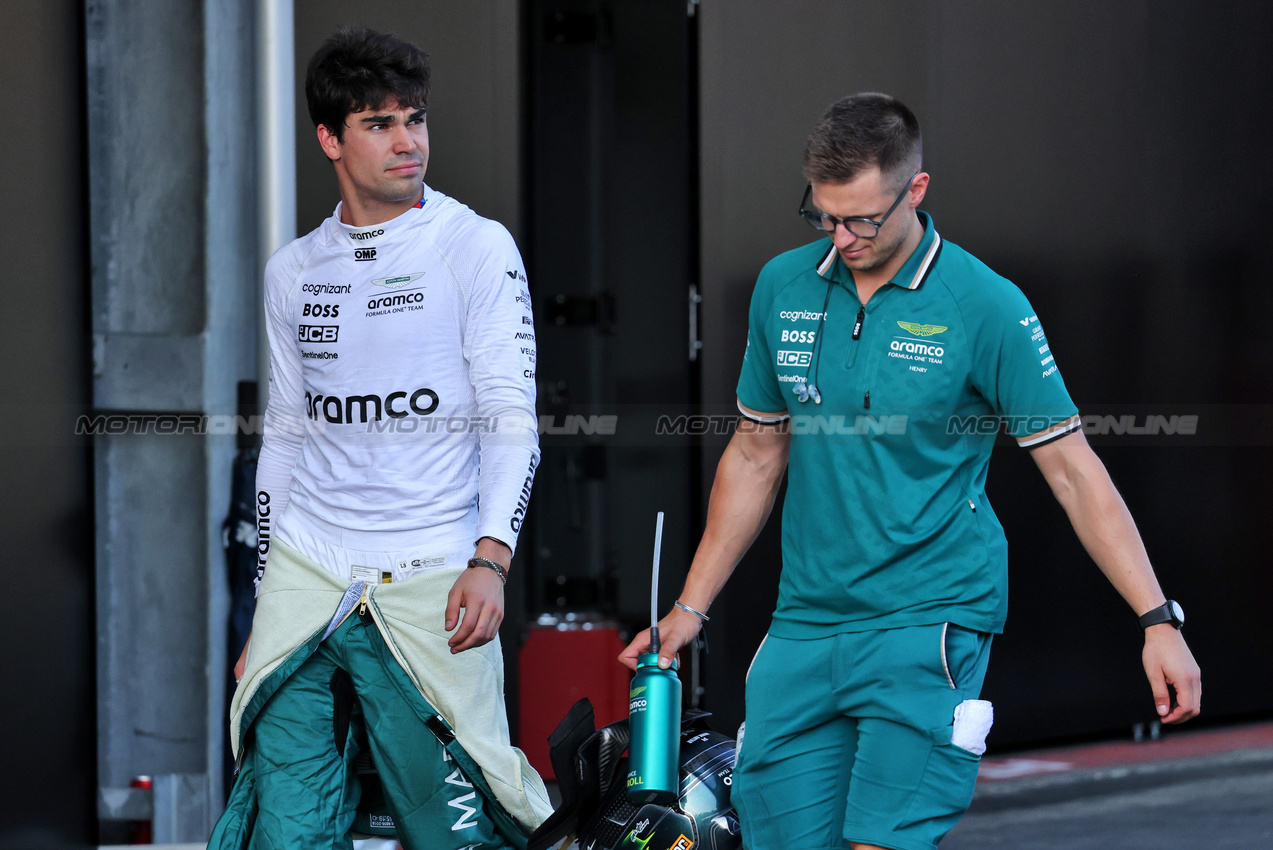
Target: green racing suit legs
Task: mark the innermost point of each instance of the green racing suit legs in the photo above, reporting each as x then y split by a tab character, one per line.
297	787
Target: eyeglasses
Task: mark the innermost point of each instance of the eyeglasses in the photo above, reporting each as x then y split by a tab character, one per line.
863	228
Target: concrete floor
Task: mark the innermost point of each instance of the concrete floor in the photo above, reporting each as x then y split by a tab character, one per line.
1216	813
1209	789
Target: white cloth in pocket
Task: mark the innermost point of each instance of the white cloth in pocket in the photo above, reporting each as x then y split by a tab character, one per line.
973	719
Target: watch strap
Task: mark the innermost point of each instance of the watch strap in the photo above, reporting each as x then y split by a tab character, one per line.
1165	613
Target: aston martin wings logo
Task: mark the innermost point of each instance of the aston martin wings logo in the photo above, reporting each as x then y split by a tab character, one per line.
397	282
921	330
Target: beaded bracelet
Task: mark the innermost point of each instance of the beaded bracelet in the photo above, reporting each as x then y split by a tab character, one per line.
489	564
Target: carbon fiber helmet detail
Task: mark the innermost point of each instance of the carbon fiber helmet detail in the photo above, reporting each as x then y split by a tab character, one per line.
590	766
702	819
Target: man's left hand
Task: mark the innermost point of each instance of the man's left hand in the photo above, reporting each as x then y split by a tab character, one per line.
1168	661
480	592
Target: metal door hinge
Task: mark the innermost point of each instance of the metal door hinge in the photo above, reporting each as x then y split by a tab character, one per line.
579	310
696	344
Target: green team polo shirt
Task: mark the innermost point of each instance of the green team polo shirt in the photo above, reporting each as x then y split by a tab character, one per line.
886	522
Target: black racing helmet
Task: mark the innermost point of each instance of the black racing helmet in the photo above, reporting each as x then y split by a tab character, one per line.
702	818
590	771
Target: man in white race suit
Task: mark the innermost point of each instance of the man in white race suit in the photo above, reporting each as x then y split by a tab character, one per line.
399	454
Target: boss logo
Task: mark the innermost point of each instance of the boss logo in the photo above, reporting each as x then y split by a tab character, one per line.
365	255
321	311
318	333
798	336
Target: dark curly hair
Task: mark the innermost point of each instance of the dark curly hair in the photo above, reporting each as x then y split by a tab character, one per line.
359	69
860	131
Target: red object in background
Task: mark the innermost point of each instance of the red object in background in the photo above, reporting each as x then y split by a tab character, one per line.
139	831
565	659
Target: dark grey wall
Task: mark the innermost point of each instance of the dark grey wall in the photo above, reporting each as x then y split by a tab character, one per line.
1110	159
474	117
147	225
48	785
612	192
171	216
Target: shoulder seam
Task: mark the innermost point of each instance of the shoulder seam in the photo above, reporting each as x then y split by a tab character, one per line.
302	262
778	288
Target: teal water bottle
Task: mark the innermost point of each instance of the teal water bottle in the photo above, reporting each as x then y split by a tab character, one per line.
654	718
654	714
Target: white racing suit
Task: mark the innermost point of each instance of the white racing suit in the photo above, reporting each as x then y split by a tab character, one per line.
400	429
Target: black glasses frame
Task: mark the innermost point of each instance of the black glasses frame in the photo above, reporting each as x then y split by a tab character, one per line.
818	220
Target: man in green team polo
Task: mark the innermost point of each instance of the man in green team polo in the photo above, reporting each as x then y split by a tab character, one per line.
881	362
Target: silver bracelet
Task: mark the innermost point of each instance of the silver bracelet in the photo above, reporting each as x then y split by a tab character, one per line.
490	565
699	614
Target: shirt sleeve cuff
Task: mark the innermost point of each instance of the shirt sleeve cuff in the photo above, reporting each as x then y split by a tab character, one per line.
762	418
1042	438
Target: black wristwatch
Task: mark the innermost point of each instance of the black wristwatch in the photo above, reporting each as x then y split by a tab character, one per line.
1169	612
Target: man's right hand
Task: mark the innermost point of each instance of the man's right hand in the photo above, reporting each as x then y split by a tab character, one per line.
747	481
675	631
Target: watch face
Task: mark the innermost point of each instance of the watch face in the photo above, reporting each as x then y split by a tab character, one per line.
1177	611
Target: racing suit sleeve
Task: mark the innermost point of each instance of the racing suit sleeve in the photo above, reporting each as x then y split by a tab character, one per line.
499	345
284	411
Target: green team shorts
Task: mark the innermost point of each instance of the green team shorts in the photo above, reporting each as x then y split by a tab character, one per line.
848	738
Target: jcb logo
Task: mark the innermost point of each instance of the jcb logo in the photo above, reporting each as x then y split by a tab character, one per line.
794	358
317	333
